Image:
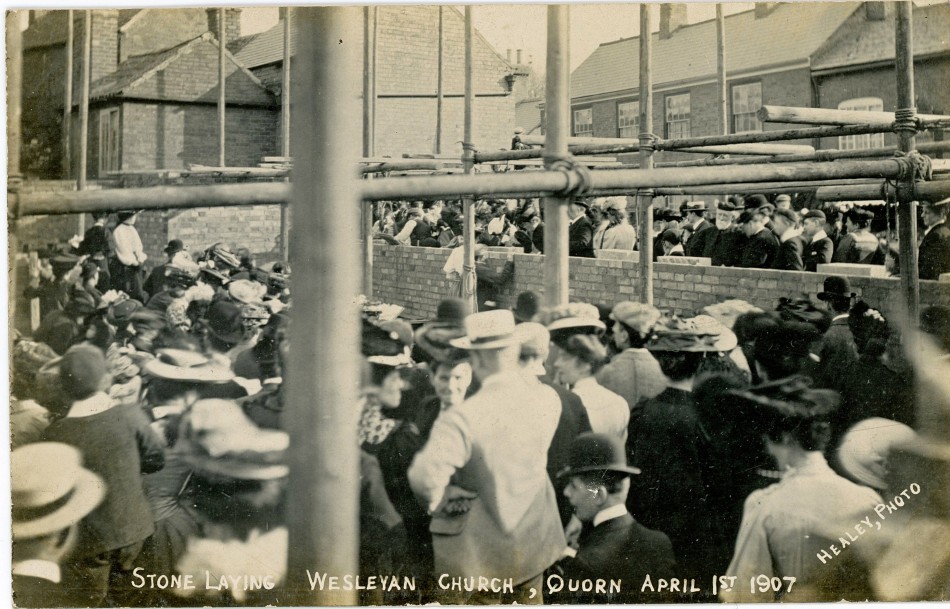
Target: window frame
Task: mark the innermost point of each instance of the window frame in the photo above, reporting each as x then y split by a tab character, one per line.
635	119
110	136
670	131
586	133
863	141
735	116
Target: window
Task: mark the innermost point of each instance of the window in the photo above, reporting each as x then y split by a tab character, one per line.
108	141
867	140
677	116
746	101
584	122
628	119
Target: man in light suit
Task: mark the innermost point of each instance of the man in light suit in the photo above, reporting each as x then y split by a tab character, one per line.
482	475
612	545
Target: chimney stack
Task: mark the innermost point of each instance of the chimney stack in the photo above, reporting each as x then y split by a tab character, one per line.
508	55
232	23
763	9
875	11
672	18
36	14
519	57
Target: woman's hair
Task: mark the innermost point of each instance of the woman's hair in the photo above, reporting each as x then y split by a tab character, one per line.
679	365
587	349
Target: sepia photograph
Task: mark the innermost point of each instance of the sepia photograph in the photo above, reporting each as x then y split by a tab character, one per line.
483	304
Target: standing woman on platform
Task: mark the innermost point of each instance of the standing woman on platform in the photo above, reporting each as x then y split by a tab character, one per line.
95	244
129	257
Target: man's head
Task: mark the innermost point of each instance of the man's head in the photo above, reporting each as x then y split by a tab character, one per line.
783	202
812	222
598	474
451	378
725	215
577	208
859	219
755	222
935	213
127	217
491	342
579	357
669	240
695	211
783	220
83	372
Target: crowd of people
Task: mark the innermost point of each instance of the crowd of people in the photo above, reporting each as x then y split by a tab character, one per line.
750	232
589	452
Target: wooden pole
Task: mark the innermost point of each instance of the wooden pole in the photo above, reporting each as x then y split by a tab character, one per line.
285	96
557	122
68	101
721	70
222	36
14	66
469	277
369	137
923	191
84	100
578	144
906	203
825	116
761	187
645	200
439	83
820	156
324	363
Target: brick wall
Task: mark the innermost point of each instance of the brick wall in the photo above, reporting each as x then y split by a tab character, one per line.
170	136
412	277
44	82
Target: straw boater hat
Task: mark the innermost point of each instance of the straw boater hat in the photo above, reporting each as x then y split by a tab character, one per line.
563	321
218	439
698	334
728	311
246	291
50	488
597	452
187	366
487	330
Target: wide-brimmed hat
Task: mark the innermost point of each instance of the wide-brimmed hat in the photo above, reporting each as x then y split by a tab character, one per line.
181	365
247	291
488	330
121	312
727	206
836	288
383	345
50	488
579	316
865	448
698	334
728	311
790	399
641	317
63	263
225	321
597	452
174	246
80	302
695	206
217	438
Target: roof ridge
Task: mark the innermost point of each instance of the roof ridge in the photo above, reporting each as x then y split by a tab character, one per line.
173	53
688	25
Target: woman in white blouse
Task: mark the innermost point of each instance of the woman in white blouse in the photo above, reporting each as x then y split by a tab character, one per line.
579	359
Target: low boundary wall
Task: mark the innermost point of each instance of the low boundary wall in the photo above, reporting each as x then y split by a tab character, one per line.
412	277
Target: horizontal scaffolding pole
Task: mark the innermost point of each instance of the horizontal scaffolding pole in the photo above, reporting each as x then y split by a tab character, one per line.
825	116
760	149
743	188
402	165
923	191
818	155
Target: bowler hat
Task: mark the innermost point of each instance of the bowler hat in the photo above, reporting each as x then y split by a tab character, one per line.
597	452
943	203
527	306
836	288
174	246
63	263
50	489
126	214
816	214
757	202
225	321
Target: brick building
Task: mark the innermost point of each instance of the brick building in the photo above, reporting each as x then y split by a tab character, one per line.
406	80
808	54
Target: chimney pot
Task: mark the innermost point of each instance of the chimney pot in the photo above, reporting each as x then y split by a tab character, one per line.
519	56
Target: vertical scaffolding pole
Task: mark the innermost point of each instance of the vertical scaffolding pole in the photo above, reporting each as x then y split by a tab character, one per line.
323	376
439	92
645	198
721	73
68	101
557	126
906	129
84	99
285	130
14	115
469	277
370	17
221	82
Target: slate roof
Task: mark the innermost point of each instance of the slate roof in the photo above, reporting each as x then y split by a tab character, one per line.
266	47
132	69
860	41
791	33
51	28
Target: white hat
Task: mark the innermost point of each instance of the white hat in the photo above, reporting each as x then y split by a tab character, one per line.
488	330
866	446
50	488
182	365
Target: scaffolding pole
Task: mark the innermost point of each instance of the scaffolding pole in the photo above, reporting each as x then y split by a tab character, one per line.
14	66
469	277
883	191
905	125
369	138
557	129
84	100
825	116
68	101
324	363
818	156
645	200
285	130
221	82
439	82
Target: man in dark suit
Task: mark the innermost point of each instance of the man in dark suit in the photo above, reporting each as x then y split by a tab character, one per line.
762	246
818	247
612	545
51	492
580	234
933	257
704	233
726	248
791	246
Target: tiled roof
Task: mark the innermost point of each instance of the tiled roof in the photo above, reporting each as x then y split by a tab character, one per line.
131	70
50	29
860	41
790	33
266	47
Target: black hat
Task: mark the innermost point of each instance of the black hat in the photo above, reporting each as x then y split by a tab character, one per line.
672	214
727	206
80	302
757	202
836	288
816	214
382	346
63	263
527	306
225	321
597	452
788	399
126	214
174	246
452	311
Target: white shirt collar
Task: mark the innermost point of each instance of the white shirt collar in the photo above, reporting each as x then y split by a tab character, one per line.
94	404
577	218
821	234
930	228
697	223
43	569
789	233
614	511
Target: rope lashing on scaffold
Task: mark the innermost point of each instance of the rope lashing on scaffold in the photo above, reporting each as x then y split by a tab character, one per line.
824	156
905	119
914	166
649	146
578	176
